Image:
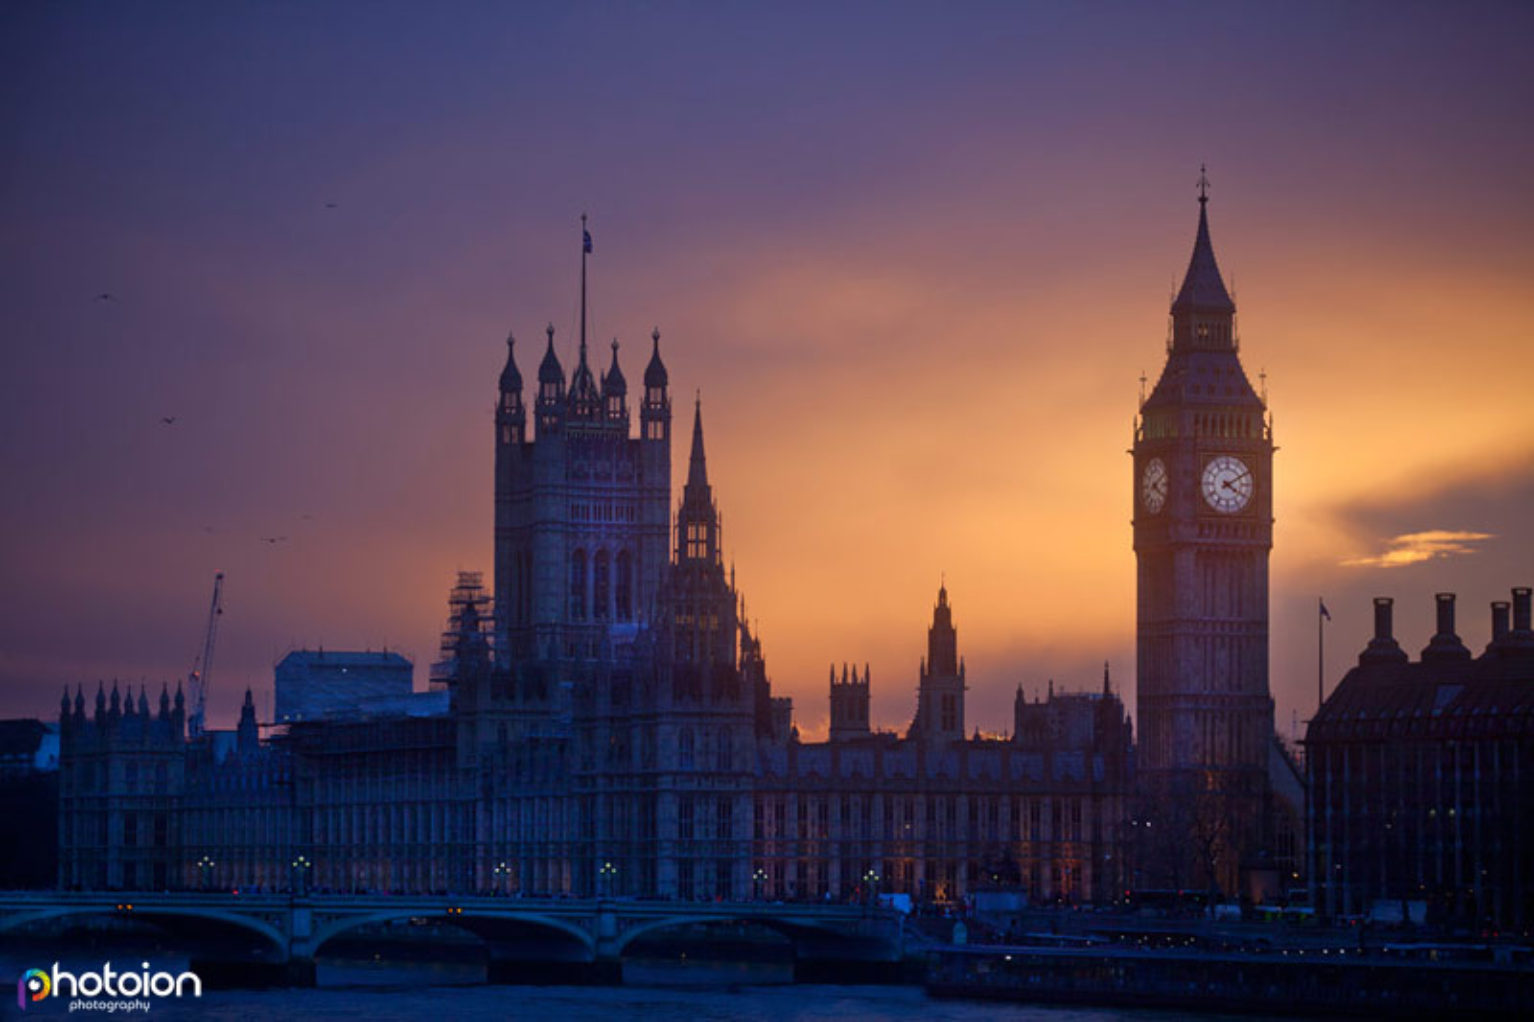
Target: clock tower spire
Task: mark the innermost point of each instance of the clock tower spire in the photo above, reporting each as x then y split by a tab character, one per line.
1203	529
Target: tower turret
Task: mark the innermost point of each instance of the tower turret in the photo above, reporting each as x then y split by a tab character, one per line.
849	704
247	737
615	391
655	414
510	414
585	399
551	390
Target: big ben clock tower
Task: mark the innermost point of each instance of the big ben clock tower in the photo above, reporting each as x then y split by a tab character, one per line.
1203	527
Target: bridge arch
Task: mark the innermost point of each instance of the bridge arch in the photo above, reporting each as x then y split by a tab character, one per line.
481	923
795	931
169	918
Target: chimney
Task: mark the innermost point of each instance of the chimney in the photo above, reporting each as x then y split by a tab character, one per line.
1383	646
1499	612
1445	645
1519	640
1445	613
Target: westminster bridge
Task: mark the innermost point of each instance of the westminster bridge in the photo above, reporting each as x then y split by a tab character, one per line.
276	937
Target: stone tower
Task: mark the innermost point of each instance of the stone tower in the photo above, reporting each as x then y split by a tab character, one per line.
1203	528
582	509
940	690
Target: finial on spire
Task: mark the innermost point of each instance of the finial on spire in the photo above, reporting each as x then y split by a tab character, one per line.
655	336
1203	184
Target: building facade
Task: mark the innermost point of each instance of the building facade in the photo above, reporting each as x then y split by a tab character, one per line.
1422	778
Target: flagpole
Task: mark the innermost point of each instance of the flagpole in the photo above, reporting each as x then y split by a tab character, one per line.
585	248
1320	652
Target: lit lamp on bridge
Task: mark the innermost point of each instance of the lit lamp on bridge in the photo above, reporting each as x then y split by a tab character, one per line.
301	865
608	872
871	881
502	873
205	871
758	879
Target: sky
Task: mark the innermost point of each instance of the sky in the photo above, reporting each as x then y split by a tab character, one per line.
914	257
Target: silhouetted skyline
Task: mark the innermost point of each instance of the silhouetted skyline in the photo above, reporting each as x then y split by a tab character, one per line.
260	265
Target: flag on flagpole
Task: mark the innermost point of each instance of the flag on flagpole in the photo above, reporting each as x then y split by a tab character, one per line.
585	240
1324	612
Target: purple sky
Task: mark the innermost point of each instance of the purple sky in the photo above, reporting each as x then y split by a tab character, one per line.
915	257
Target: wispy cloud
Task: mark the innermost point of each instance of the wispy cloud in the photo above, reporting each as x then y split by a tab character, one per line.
1414	547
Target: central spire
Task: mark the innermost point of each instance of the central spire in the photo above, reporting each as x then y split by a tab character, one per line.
1203	289
697	469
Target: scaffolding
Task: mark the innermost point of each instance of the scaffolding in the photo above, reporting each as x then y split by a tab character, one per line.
469	624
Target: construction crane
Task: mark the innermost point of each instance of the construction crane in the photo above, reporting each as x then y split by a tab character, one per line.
202	668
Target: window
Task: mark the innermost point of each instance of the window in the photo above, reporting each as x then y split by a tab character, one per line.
684	817
625	590
578	586
684	749
600	587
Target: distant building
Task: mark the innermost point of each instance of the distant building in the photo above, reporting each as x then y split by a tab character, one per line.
122	774
315	684
1422	777
29	801
938	814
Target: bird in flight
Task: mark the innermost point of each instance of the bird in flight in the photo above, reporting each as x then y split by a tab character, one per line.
274	540
332	205
168	420
106	296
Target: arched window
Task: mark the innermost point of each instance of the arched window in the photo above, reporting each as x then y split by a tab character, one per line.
684	749
625	593
600	586
578	586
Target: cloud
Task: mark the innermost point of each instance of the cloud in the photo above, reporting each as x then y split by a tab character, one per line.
1414	547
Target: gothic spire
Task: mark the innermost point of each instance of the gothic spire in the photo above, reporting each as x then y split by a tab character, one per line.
697	469
1202	287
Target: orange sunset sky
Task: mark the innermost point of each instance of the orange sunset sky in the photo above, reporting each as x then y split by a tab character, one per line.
915	260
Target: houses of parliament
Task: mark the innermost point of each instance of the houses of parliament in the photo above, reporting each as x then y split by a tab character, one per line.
602	721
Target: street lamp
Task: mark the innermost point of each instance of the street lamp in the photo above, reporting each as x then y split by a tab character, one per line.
205	869
608	871
871	881
502	875
759	878
301	863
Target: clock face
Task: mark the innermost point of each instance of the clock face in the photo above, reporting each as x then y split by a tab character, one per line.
1153	485
1227	484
